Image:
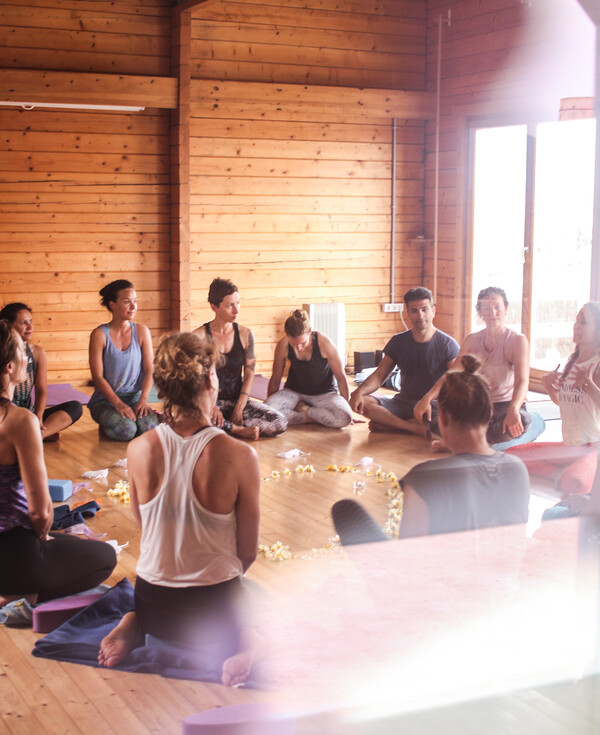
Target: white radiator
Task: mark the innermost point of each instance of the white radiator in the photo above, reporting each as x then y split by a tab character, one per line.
331	320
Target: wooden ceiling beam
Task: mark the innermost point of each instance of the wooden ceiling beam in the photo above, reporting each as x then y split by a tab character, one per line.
183	5
278	101
60	87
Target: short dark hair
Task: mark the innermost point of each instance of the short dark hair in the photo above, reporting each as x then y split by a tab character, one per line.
110	292
220	288
10	311
486	293
418	294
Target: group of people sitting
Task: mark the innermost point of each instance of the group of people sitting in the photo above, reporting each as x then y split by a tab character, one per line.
206	483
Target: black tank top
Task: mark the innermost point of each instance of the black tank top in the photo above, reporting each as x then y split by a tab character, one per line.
230	373
311	377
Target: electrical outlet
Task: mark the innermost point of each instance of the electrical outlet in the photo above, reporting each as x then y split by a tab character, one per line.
387	308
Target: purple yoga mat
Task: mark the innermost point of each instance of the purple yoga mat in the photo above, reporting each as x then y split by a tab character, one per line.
63	392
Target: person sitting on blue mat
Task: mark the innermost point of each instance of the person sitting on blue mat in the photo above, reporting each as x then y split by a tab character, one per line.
504	358
195	494
53	419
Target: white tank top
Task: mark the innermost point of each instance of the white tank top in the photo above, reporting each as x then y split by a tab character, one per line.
183	543
580	415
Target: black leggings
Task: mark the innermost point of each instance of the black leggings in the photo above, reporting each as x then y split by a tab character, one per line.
73	408
354	524
60	567
192	615
495	435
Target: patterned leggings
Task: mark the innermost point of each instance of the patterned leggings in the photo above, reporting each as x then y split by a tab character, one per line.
269	421
115	426
572	467
327	409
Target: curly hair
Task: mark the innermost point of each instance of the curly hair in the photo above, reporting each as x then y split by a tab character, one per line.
465	396
182	366
297	323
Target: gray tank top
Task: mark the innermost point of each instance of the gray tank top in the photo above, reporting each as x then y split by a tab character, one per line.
122	368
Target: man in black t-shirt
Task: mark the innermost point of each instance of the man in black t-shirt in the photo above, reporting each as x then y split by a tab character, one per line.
423	353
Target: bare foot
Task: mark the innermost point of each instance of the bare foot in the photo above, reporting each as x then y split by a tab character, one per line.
304	408
117	644
438	446
246	432
236	669
374	426
53	437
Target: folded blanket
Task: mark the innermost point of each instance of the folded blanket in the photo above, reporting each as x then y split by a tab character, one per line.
78	641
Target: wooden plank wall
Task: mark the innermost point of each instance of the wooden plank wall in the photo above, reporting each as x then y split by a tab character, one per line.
503	61
84	197
298	210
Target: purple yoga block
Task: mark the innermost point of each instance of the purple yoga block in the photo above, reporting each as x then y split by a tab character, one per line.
49	615
60	490
240	719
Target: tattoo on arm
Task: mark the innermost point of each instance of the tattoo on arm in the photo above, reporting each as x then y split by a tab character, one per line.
250	356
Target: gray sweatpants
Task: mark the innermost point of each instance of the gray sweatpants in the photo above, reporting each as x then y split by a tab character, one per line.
328	409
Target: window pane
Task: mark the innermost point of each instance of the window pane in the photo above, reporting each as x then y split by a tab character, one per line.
562	235
499	214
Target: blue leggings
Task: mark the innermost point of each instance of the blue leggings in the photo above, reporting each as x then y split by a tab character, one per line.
114	425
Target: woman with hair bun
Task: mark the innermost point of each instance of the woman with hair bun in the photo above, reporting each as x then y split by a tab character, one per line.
309	395
475	487
121	366
34	563
56	418
195	494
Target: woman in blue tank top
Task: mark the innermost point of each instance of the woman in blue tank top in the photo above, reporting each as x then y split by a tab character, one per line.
121	366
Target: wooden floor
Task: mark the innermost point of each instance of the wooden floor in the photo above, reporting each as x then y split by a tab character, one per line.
40	696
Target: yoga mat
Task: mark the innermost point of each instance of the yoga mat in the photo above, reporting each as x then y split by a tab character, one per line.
63	392
259	387
78	641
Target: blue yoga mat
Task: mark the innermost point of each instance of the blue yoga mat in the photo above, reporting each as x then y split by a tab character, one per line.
78	641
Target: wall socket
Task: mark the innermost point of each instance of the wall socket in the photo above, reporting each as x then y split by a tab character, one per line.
387	308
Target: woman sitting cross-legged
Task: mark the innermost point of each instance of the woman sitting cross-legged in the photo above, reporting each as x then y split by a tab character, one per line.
34	563
195	493
235	412
504	358
121	366
309	395
54	419
476	487
572	463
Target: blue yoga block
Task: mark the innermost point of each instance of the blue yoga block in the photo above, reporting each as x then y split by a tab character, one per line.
60	489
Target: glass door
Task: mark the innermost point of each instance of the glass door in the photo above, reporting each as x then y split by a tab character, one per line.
532	228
